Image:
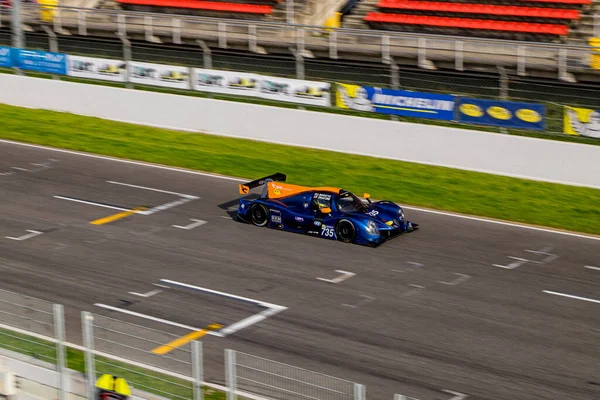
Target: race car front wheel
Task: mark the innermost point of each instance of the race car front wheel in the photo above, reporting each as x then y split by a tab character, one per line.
345	231
259	215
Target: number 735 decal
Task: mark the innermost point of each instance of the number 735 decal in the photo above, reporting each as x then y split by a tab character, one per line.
327	231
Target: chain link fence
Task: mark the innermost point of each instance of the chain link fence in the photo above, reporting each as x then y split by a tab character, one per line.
278	381
20	317
125	349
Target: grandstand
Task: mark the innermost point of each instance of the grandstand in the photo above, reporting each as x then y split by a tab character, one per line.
557	21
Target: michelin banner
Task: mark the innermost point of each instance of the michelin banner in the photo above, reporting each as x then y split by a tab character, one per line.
266	87
397	102
582	122
159	75
506	114
97	68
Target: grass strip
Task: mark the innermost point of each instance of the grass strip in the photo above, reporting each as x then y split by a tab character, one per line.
505	198
139	378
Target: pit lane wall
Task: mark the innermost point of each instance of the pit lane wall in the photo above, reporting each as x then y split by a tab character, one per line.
537	159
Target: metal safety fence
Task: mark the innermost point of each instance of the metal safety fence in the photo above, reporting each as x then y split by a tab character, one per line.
275	380
24	324
153	362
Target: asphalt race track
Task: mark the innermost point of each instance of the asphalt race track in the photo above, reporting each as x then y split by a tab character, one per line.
426	314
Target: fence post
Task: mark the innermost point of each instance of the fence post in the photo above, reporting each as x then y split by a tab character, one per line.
289	11
503	83
81	23
230	374
359	392
17	27
126	57
88	342
206	54
197	370
59	334
176	29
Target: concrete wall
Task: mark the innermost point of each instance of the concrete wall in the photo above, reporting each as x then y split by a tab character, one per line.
538	159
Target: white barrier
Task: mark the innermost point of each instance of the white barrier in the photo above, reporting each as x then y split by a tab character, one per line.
529	158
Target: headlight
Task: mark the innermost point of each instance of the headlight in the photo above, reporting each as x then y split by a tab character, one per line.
372	228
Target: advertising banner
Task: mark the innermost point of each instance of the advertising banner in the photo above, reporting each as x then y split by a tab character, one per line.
226	82
396	102
97	68
582	121
266	87
40	61
5	57
295	91
159	75
507	114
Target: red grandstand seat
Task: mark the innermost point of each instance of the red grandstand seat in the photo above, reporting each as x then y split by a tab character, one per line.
203	5
560	2
468	23
484	9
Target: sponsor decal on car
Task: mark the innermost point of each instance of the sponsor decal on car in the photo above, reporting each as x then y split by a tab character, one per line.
299	219
317	223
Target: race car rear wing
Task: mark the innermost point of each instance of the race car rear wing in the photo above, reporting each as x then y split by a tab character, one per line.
246	187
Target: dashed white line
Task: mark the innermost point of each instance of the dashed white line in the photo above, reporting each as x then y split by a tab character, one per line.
149	294
590	267
197	223
365	299
25	237
516	264
571	296
344	275
461	278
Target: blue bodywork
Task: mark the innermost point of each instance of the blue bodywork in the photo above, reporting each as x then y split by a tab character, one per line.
372	223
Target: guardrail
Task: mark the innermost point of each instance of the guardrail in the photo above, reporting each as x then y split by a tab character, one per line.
36	327
562	61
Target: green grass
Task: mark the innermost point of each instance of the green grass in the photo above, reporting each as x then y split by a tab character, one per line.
148	381
473	193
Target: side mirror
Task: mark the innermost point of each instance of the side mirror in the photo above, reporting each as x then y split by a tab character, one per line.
325	210
366	195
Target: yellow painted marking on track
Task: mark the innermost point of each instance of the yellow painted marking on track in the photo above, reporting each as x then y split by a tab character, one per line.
186	339
117	216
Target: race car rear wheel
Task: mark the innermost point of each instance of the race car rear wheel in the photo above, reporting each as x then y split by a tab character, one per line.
259	215
345	231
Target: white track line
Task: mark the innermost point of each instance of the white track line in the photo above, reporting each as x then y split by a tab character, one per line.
216	292
187	196
590	267
230	178
92	203
151	318
571	296
25	237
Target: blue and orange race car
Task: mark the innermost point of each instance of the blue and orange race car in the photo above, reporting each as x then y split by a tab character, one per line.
328	212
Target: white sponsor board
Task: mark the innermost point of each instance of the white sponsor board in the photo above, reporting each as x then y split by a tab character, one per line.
266	87
226	82
296	91
159	75
96	68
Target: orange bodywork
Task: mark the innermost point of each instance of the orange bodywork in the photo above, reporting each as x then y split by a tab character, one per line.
278	190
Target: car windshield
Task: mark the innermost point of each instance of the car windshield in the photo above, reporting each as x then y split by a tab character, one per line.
348	203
